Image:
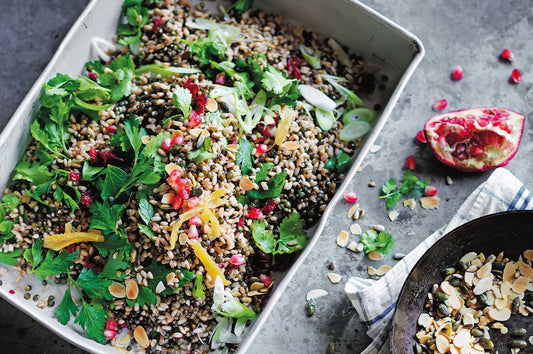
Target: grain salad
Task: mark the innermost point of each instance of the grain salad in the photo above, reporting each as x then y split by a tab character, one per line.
168	184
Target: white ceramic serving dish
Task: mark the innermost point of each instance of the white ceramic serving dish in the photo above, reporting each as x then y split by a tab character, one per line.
380	42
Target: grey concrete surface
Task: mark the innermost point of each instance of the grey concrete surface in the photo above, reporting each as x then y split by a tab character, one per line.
454	32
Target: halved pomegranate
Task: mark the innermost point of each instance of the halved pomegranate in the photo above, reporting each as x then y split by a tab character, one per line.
476	139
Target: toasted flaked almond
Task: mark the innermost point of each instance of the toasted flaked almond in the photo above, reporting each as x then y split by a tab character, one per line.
375	256
211	105
483	320
500	315
198	132
429	202
356	229
528	254
374	148
257	285
233	147
454	349
455	302
315	294
467	258
530	339
132	290
505	288
424	320
371	271
167	198
409	203
171	167
352	210
268	119
483	285
500	303
183	238
384	269
170	277
117	290
355	247
246	184
342	239
393	215
145	139
469	277
334	278
443	344
125	340
520	285
468	319
447	288
526	270
290	145
497	325
509	272
476	262
462	338
141	337
160	287
504	330
253	293
484	271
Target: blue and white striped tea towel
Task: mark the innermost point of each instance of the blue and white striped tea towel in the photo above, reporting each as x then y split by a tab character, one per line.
375	300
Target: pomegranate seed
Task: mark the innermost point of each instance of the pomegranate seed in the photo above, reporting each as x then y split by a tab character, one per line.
177	140
194	119
193	202
195	220
11	291
439	105
457	73
71	248
410	162
193	232
241	221
220	79
184	193
261	149
421	136
93	153
110	129
165	145
255	213
74	176
431	190
158	23
237	259
176	202
265	279
110	334
507	55
111	324
86	198
93	76
351	197
516	76
269	207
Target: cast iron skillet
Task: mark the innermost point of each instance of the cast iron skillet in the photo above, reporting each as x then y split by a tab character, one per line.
511	232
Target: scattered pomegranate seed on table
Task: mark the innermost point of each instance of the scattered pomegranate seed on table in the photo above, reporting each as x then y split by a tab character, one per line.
439	105
516	76
457	73
431	190
410	163
507	55
421	136
351	197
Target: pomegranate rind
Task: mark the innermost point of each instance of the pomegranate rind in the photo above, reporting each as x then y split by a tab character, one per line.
476	139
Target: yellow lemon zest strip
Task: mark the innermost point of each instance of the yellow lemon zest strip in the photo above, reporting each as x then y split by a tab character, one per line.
59	241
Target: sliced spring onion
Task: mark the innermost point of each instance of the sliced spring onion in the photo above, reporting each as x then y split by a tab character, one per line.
354	131
317	98
351	98
358	115
339	52
164	70
312	56
325	120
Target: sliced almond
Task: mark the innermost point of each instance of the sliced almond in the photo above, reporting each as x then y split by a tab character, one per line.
141	337
334	278
500	315
169	168
374	148
468	319
443	345
384	269
409	203
257	286
125	341
352	210
356	229
342	239
315	294
233	147
183	238
393	215
198	132
448	288
469	277
467	258
429	202
246	184
170	277
462	338
497	325
290	145
145	139
528	254
484	271
500	303
483	285
526	270
167	198
117	290
454	302
424	320
504	330
520	285
505	288
355	247
375	256
509	272
372	271
132	290
269	120
160	287
211	105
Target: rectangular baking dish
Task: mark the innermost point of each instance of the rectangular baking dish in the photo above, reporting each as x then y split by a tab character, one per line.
382	44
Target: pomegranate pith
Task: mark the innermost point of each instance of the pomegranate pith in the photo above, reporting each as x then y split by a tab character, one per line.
475	139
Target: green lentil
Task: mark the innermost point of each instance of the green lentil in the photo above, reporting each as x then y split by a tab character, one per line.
27	287
27	296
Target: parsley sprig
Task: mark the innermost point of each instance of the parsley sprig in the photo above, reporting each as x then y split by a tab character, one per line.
381	242
392	193
292	237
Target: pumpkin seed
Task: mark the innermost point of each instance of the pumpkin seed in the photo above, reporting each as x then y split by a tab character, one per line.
448	271
464	289
455	282
440	296
486	343
518	343
310	307
476	332
430	344
517	333
398	256
443	310
331	348
417	349
515	306
498	266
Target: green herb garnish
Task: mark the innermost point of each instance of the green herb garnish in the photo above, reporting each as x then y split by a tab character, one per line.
392	194
381	242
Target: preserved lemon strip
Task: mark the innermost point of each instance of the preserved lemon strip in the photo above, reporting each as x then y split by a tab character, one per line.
183	217
59	241
286	117
207	216
209	264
